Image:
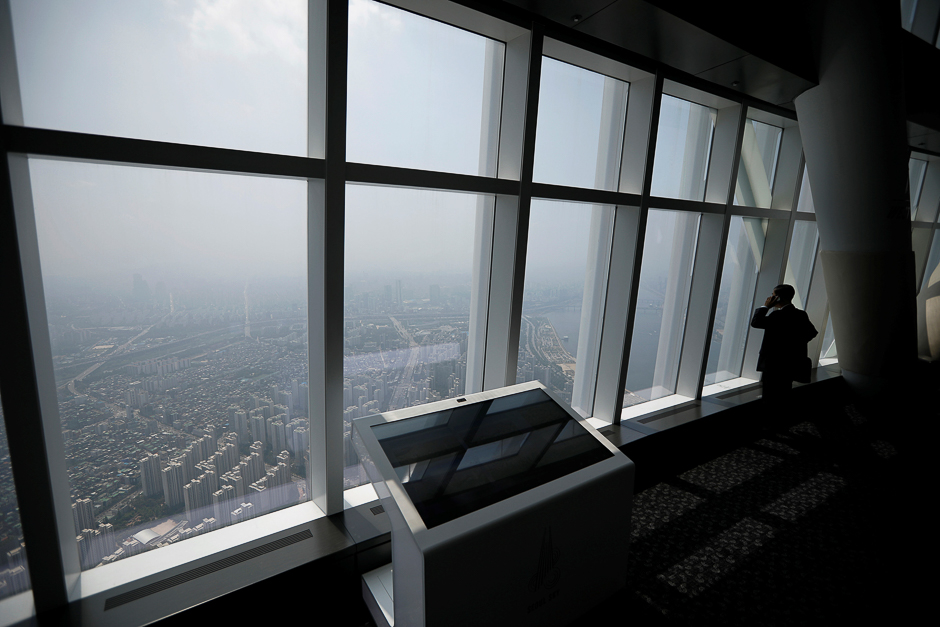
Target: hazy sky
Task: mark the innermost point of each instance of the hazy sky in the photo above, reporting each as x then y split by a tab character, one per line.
396	230
100	219
415	95
232	73
213	72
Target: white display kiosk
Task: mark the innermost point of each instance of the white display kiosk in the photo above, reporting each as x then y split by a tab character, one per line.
506	508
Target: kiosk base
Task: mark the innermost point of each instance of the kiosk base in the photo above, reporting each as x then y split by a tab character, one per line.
377	593
506	508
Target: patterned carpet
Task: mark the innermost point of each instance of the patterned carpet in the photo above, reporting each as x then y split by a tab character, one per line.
810	523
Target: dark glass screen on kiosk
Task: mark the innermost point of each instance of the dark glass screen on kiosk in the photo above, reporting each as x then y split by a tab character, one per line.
460	460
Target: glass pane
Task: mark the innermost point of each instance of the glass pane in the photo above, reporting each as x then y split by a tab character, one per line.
580	127
177	317
758	165
562	306
735	298
924	20
916	170
662	305
421	94
683	146
932	273
14	571
828	352
800	261
805	202
409	257
230	74
907	13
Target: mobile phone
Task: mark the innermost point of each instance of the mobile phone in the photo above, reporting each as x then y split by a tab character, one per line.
775	300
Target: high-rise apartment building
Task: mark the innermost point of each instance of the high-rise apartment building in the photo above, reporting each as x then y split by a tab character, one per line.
151	481
83	514
173	482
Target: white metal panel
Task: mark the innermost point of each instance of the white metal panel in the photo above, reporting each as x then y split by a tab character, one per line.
636	135
722	166
789	170
512	120
612	357
697	330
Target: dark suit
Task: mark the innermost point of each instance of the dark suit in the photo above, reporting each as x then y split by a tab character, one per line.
783	350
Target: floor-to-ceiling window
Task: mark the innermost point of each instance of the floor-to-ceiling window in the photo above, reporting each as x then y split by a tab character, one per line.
223	286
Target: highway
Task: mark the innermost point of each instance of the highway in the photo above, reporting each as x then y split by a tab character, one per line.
114	353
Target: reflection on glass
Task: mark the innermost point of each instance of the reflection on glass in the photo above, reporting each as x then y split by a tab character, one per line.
828	355
460	460
177	306
580	127
407	302
683	146
421	94
735	298
230	74
759	151
930	292
14	571
562	305
662	305
907	14
800	261
917	168
805	203
932	272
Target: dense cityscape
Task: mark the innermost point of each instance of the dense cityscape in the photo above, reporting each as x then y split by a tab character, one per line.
406	344
185	410
181	413
14	575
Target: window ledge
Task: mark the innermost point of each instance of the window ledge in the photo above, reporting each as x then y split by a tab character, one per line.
183	554
354	497
724	386
638	411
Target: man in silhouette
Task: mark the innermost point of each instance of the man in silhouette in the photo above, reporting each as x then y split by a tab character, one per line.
783	350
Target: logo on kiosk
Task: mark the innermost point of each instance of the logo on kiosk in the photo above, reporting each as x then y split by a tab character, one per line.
547	573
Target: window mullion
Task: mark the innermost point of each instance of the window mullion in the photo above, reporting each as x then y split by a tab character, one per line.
38	461
639	140
706	279
326	243
626	262
511	219
37	449
725	156
524	202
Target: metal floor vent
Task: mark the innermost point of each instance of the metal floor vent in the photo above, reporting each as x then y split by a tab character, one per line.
196	573
378	509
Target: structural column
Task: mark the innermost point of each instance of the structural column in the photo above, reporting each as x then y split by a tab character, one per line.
854	141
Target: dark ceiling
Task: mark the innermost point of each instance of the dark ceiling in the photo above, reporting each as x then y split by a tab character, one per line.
774	63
